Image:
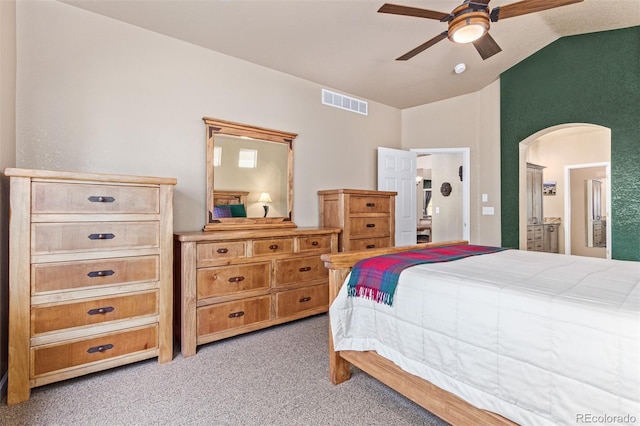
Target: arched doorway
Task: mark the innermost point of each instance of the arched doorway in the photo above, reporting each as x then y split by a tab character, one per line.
557	150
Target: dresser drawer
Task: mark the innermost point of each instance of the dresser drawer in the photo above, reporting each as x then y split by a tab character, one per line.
294	301
224	316
225	280
368	243
313	243
369	227
220	251
52	358
87	312
369	204
61	276
302	269
51	197
50	238
272	246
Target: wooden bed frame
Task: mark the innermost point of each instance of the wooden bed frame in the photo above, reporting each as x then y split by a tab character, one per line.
443	404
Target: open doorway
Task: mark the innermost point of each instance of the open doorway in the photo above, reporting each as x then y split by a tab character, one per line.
442	180
557	150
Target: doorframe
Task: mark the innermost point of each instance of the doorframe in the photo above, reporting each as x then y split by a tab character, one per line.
567	202
466	185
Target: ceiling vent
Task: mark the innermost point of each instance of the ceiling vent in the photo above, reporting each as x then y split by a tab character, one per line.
344	102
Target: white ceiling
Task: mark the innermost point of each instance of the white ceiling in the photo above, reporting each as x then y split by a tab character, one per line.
347	46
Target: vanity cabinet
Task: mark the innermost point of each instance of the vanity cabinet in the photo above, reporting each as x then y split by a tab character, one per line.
367	218
90	274
233	282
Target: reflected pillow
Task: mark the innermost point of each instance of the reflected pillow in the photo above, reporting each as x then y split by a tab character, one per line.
237	210
221	211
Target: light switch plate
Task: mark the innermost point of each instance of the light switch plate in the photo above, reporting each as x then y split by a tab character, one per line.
487	211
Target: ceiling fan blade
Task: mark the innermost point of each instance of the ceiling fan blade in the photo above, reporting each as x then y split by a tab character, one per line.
395	9
487	46
527	6
424	46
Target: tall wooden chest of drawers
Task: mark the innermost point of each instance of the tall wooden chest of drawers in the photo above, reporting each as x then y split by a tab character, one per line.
90	274
233	282
367	218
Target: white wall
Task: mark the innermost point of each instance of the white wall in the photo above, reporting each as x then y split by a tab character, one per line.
99	95
466	121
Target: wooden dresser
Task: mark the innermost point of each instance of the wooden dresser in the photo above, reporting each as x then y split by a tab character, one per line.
233	282
367	218
90	274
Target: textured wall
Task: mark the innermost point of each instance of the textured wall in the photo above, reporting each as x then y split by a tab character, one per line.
592	78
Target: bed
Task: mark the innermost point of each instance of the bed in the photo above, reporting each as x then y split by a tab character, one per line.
512	337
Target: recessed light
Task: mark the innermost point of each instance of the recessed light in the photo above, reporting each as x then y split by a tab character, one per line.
460	68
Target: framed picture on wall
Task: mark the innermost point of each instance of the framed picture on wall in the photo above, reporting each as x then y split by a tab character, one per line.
549	187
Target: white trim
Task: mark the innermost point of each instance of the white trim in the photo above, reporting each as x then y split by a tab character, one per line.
466	185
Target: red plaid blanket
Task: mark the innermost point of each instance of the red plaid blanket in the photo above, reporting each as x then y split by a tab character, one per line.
376	278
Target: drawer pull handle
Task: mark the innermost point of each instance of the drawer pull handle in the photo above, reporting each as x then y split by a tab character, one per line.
236	314
101	199
305	299
104	310
370	246
371	225
315	243
273	246
305	269
101	236
236	279
371	204
105	273
223	250
100	348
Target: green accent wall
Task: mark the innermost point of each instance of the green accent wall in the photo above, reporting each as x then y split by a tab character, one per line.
591	78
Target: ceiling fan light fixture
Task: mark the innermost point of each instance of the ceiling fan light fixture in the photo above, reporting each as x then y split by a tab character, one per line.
469	29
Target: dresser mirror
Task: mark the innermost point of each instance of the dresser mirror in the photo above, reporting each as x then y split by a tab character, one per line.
249	176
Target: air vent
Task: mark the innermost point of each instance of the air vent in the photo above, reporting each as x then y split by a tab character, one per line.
344	102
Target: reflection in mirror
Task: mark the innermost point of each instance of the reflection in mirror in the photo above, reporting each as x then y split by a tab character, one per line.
249	176
596	214
263	169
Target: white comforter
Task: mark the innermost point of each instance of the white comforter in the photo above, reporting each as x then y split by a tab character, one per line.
542	339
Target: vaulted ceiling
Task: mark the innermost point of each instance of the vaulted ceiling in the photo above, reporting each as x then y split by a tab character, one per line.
347	46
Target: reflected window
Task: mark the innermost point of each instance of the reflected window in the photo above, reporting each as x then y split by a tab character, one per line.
247	158
217	156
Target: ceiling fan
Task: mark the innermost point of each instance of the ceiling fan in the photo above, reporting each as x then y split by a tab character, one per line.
469	22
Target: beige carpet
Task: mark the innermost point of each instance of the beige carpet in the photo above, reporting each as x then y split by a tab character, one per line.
277	376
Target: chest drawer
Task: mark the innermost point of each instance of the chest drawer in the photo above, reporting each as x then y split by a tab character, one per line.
272	246
87	312
368	204
61	276
369	227
224	316
303	269
225	280
321	243
49	238
369	243
52	358
220	251
50	197
292	302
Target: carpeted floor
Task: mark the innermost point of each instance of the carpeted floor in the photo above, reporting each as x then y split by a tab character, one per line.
276	376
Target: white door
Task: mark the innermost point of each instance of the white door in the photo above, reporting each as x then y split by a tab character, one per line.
397	172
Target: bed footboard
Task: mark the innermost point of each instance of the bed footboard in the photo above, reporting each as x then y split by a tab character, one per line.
445	405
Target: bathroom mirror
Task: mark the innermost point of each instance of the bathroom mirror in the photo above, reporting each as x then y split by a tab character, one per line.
249	176
596	215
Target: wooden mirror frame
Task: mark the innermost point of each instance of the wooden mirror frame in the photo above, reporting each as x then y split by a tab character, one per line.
221	127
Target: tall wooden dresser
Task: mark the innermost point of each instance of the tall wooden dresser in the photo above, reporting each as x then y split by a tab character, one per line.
233	282
90	274
367	218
